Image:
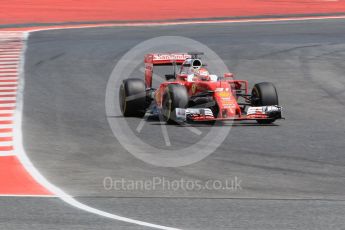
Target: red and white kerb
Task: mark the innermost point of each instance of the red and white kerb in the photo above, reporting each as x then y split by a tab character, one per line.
11	44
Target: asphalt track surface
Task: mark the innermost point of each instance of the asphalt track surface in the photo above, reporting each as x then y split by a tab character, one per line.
292	173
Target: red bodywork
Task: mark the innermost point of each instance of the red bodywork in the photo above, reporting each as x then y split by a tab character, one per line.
225	91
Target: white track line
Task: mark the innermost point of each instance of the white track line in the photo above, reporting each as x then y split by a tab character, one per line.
160	24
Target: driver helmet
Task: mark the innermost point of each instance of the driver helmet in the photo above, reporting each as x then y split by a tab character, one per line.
202	72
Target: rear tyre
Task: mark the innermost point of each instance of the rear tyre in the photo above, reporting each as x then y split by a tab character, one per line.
264	94
132	98
175	96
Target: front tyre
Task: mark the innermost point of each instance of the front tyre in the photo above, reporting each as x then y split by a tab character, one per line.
132	97
175	96
264	94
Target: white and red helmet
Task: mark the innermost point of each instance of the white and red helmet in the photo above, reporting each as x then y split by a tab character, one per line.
203	72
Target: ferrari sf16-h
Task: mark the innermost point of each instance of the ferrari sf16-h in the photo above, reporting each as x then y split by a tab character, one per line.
192	94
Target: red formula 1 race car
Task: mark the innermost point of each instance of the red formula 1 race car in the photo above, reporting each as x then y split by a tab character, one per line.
193	94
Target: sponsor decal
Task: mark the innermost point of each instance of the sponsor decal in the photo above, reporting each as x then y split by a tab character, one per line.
158	57
224	94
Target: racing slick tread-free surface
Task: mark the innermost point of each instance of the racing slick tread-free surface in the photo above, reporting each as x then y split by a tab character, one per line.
175	96
132	97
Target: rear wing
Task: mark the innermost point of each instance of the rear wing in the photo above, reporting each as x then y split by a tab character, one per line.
166	58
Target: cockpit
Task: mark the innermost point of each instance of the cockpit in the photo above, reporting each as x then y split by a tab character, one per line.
196	71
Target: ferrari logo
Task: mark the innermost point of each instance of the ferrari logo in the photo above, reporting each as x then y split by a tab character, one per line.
194	88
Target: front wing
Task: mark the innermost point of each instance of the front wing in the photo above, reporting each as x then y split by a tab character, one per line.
273	112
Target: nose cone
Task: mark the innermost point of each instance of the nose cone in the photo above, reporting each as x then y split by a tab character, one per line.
227	103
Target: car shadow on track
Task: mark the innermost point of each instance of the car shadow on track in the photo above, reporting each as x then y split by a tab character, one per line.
220	125
153	120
